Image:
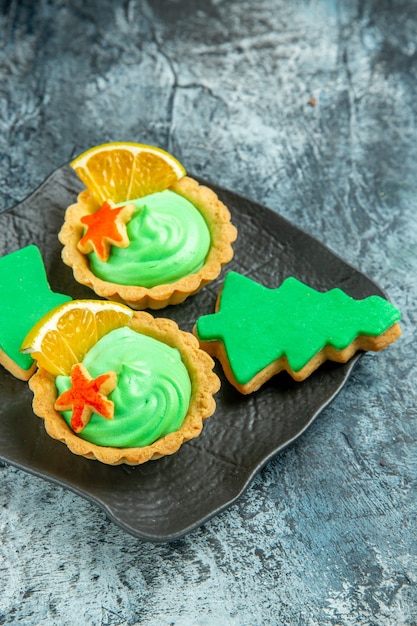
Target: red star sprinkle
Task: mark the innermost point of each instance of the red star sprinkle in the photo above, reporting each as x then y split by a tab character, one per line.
106	227
86	396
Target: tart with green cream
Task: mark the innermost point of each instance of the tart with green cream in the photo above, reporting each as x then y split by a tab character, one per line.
119	386
143	233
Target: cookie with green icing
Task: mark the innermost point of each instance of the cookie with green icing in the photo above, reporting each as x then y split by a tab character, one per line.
257	332
26	297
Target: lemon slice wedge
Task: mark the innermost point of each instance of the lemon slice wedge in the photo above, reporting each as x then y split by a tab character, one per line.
63	336
125	171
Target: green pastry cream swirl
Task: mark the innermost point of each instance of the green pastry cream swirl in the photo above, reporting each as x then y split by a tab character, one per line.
152	395
169	239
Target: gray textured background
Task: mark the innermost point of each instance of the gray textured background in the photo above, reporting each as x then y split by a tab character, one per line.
327	532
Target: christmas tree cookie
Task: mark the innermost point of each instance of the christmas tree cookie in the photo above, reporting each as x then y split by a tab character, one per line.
257	332
26	297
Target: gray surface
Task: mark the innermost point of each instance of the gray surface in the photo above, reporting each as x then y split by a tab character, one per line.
326	534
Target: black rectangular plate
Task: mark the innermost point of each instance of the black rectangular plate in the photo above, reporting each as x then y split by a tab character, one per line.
165	499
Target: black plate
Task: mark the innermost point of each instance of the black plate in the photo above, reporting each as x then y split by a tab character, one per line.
163	500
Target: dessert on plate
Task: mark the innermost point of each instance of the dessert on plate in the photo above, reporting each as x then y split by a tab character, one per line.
116	385
27	296
142	232
257	332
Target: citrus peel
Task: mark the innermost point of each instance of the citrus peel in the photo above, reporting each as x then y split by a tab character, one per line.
86	396
105	228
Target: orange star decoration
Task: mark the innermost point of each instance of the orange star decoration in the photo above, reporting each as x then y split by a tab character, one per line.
86	396
106	227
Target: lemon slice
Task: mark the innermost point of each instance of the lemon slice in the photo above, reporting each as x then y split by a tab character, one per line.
125	171
63	336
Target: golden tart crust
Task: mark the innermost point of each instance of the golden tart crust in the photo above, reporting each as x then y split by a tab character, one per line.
204	384
222	231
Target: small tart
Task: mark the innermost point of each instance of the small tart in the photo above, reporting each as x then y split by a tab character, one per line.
222	234
204	384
